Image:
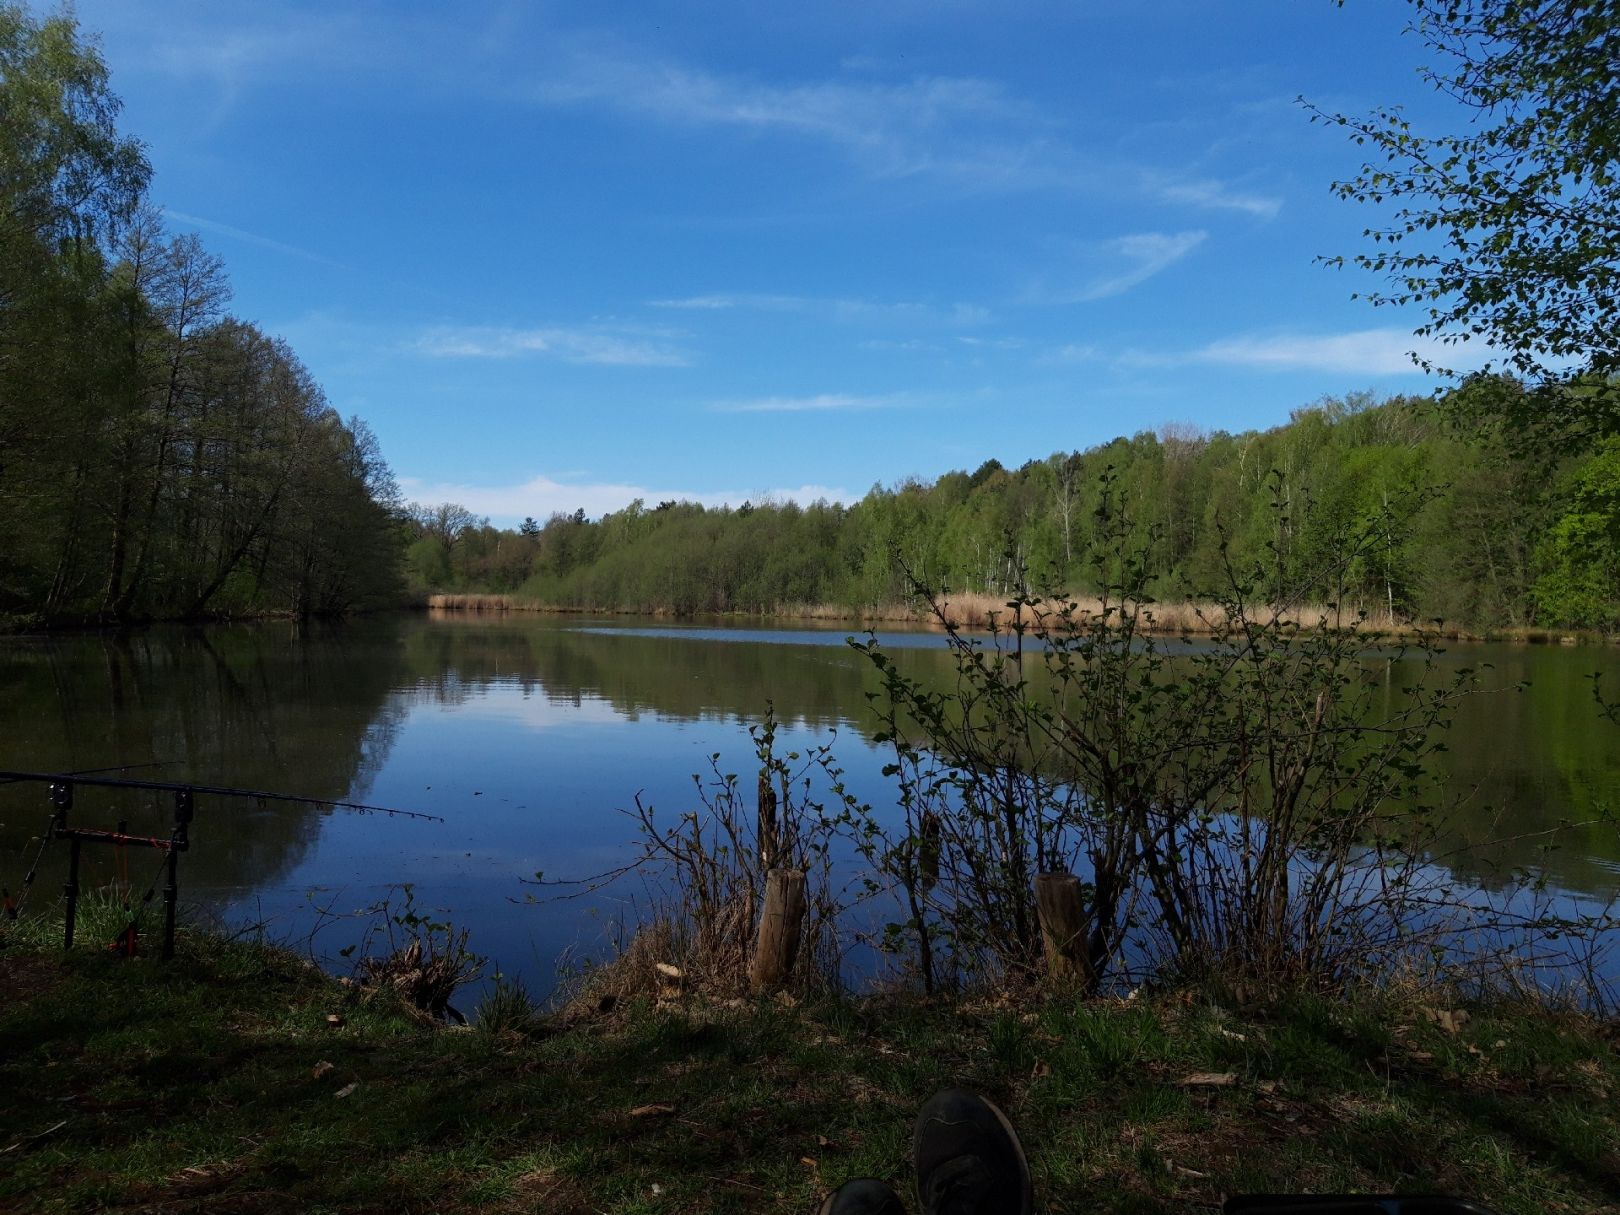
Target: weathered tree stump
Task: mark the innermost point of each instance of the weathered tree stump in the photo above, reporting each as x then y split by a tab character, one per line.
1063	927
781	925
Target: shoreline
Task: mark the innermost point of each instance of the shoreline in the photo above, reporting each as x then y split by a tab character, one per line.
972	613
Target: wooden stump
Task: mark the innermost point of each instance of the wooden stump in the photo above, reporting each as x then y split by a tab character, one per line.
781	925
1063	927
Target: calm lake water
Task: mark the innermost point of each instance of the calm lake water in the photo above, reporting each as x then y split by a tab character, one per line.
528	735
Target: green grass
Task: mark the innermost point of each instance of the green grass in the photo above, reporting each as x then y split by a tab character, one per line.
193	1086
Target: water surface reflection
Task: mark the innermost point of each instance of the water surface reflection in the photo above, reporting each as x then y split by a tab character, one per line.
527	734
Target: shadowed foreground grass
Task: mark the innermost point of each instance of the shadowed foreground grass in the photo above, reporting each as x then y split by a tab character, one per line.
203	1085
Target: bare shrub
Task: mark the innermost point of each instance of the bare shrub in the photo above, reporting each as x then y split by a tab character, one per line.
410	955
707	868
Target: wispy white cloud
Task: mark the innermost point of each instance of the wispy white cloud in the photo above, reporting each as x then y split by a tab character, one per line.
233	52
252	238
845	311
1142	254
1216	195
891	126
906	345
541	496
1076	352
821	403
1078	273
570	345
224	55
1360	352
973	132
983	343
876	311
721	303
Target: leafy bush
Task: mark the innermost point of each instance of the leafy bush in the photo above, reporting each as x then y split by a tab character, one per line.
1249	805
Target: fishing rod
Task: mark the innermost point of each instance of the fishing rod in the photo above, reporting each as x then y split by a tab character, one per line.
13	906
157	786
78	772
62	785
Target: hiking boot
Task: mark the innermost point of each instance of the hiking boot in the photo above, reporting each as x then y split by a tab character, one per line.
863	1196
969	1161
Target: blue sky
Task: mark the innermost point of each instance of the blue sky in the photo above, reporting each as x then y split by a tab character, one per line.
563	255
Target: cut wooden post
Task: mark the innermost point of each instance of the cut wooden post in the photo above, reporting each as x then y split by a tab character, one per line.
1063	926
780	926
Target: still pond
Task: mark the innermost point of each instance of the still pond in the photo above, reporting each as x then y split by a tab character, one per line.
529	734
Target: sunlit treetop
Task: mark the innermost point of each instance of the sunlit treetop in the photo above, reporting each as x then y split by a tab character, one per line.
1508	230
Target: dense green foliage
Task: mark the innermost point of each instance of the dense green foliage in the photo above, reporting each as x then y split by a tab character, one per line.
158	457
1580	556
1506	228
1473	533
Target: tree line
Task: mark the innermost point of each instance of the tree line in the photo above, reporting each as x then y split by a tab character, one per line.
1455	524
159	457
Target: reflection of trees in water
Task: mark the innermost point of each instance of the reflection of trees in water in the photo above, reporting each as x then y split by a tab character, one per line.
375	746
1524	765
316	709
679	678
281	707
1519	765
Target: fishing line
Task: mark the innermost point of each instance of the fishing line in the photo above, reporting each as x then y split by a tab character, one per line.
103	782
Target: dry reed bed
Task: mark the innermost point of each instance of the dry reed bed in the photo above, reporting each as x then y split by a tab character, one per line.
978	611
975	611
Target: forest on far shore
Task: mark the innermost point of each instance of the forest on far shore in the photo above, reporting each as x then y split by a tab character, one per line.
1447	520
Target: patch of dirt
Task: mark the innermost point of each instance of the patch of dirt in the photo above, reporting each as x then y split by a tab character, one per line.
863	1092
546	1192
29	976
206	1178
261	1202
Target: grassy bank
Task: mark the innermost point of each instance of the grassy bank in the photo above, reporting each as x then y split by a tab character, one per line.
974	611
222	1082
